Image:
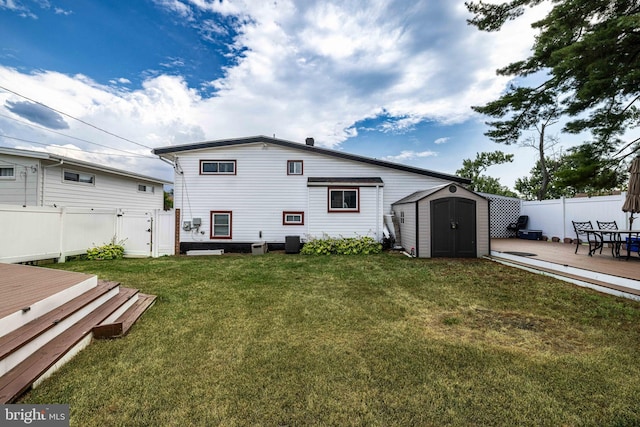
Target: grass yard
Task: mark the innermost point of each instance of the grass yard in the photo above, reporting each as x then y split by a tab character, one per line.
384	340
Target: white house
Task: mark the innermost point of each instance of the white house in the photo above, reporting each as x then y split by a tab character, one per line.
237	192
30	178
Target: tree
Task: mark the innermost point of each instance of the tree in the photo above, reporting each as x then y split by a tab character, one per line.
473	169
585	169
545	113
530	187
168	200
580	170
590	52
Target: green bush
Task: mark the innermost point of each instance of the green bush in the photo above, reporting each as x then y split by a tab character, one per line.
109	251
342	246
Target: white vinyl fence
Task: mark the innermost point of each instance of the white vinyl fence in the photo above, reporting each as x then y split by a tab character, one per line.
554	217
37	233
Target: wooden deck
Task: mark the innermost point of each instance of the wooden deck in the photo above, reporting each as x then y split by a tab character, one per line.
22	285
602	269
47	316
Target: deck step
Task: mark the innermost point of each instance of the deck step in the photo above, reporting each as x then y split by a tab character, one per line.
38	328
570	277
123	324
20	378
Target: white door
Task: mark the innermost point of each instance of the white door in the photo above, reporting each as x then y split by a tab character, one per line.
136	230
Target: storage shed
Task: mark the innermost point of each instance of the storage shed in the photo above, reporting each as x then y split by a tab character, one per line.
443	221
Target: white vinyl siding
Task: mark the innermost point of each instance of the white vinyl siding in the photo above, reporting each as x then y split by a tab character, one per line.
348	223
7	172
261	190
107	191
78	177
22	188
146	188
218	167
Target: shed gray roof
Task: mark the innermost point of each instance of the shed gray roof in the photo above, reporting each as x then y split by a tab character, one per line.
171	151
419	195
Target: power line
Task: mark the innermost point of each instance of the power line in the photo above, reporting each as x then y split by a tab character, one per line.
75	118
74	149
73	137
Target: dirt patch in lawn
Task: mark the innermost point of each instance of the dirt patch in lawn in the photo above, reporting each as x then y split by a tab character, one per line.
508	329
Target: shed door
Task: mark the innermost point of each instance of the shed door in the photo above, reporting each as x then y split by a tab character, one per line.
453	228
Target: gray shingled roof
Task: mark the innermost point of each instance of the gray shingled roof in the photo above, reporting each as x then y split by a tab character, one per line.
171	151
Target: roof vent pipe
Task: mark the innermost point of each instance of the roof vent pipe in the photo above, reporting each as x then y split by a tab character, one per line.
309	142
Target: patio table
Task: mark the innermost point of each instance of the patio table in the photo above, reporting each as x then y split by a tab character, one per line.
596	240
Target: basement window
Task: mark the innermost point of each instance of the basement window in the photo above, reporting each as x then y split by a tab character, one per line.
344	200
221	224
7	172
217	167
83	178
292	218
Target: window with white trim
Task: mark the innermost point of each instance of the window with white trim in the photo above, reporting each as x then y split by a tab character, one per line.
401	217
143	188
294	167
82	178
221	224
293	218
7	172
344	199
217	167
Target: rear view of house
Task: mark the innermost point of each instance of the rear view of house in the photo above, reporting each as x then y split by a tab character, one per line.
232	193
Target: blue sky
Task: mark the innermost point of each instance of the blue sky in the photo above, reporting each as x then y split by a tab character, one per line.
393	80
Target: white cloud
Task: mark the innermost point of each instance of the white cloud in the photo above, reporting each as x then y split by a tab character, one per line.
306	69
408	155
442	140
120	80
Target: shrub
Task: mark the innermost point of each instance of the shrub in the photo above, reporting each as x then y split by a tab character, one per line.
111	250
342	246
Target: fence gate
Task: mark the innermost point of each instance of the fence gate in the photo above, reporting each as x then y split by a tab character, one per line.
137	227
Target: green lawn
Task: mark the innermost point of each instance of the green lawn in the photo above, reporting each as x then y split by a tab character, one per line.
283	340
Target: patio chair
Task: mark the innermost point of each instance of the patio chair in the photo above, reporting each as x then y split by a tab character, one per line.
611	238
579	227
520	224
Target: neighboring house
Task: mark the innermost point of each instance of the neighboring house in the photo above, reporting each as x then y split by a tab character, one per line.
235	192
31	178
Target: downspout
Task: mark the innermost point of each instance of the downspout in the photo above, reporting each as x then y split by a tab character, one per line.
417	254
26	177
378	212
